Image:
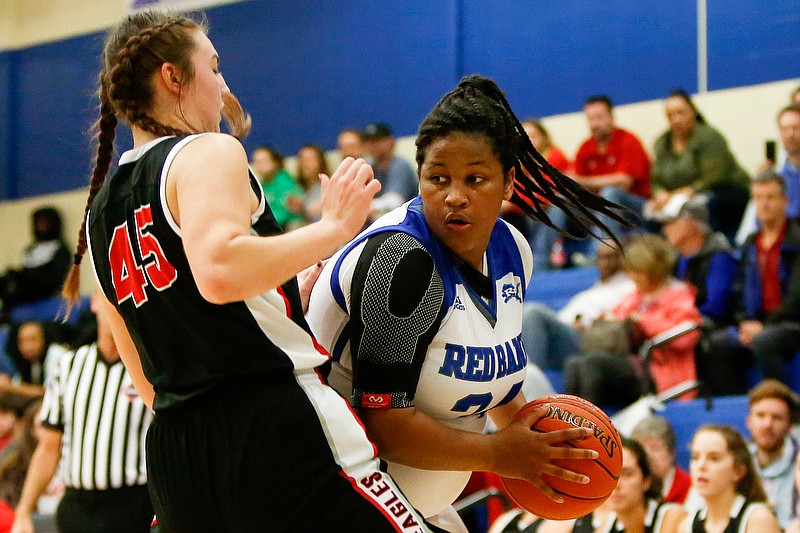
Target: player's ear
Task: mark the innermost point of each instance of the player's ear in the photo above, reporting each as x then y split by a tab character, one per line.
509	186
170	78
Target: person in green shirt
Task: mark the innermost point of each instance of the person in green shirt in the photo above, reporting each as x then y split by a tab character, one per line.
692	158
278	185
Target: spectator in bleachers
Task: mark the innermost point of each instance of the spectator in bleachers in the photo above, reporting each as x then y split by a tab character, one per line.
774	448
549	337
723	475
44	264
397	178
540	138
659	441
636	502
603	373
34	353
311	163
12	409
706	260
789	128
692	158
769	326
659	303
613	163
787	165
614	284
278	185
15	459
350	143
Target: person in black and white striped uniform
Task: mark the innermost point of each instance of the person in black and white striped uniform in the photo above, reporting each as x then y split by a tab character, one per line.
723	475
94	424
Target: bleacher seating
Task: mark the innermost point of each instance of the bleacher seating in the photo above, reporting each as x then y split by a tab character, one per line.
46	310
554	288
686	417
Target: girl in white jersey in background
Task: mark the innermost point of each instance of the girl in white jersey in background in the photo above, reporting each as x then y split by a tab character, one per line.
422	312
200	286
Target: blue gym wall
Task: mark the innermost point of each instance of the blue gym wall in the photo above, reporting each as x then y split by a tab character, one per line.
305	69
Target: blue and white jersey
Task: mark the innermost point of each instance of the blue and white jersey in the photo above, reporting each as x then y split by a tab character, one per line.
425	336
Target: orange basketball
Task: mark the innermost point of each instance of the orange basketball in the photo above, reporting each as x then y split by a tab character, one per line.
566	412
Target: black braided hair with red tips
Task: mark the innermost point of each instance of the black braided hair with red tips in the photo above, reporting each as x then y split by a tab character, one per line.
477	105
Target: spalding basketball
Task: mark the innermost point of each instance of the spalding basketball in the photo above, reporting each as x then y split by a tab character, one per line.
567	412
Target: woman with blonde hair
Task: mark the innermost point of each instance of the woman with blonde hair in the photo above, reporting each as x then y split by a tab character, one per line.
659	303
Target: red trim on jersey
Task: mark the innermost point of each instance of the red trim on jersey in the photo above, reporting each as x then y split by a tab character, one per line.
355	415
286	303
288	306
320	348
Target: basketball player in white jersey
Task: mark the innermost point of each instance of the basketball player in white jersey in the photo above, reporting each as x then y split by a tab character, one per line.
422	312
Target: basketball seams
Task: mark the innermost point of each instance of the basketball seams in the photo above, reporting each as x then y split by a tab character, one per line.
595	461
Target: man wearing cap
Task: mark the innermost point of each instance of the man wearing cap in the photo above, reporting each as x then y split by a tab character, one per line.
705	260
398	181
769	329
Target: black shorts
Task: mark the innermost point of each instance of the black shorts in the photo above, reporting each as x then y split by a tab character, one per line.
270	454
123	510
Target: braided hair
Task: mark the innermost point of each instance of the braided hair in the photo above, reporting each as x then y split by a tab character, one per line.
478	105
132	53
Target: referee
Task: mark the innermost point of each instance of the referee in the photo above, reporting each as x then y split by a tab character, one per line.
95	423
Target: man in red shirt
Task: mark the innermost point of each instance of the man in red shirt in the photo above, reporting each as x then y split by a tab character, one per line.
769	329
614	164
612	161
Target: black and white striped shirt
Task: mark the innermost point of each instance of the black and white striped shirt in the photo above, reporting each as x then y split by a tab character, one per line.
103	421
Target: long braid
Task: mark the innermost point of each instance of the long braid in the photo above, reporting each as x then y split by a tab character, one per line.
105	129
478	105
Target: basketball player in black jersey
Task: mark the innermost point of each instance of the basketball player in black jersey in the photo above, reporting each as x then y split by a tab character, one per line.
205	309
723	475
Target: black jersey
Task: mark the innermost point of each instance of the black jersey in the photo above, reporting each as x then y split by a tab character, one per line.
740	514
656	511
187	345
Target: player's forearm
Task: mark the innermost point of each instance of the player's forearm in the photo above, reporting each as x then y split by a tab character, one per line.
245	266
422	442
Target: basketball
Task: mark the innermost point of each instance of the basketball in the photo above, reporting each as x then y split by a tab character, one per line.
567	412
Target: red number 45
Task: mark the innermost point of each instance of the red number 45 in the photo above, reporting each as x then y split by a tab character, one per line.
128	276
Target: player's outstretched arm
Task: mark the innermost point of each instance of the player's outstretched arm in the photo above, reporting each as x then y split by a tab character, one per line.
209	195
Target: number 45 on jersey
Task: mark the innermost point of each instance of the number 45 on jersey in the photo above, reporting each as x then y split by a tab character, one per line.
130	275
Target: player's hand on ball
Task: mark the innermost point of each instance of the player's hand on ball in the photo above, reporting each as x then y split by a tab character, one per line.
525	454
